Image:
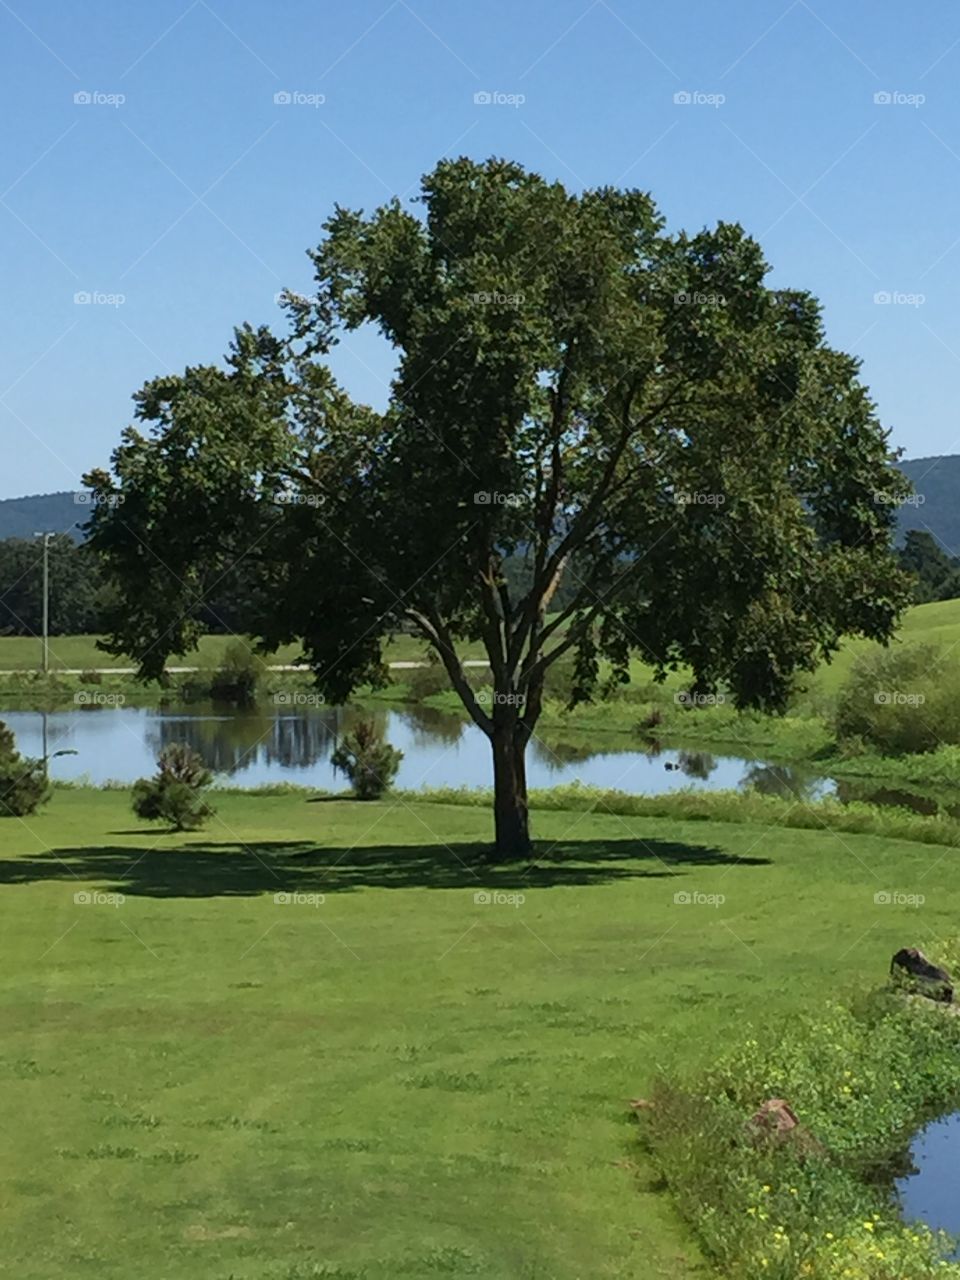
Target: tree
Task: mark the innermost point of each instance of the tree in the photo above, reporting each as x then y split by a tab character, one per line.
368	760
937	574
77	593
175	793
636	413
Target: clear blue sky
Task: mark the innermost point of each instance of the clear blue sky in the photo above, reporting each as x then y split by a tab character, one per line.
197	196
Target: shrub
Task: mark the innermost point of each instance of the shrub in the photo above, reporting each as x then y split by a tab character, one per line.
368	760
901	701
174	794
236	679
24	785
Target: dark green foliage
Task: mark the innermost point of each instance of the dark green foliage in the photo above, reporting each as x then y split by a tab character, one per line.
236	679
174	795
24	785
937	574
901	700
78	596
368	760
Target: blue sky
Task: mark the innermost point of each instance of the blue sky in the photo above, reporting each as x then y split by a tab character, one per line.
195	197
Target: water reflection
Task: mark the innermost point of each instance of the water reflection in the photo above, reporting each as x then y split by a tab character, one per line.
931	1191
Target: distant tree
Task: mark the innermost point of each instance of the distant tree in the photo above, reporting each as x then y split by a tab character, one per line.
660	434
937	574
78	594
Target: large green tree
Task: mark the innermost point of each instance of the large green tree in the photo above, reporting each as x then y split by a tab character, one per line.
634	413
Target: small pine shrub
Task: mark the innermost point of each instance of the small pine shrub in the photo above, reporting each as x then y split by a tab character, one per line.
368	760
24	785
175	794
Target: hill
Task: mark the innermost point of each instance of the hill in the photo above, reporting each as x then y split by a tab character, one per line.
42	513
937	505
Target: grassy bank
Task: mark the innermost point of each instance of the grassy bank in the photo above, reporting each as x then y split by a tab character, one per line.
400	1080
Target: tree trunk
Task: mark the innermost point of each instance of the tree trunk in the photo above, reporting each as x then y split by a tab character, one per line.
511	823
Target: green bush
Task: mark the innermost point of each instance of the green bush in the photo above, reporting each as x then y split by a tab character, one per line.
174	794
901	701
24	785
368	760
236	678
860	1082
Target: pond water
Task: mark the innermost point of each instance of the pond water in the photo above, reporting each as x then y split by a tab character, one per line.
274	744
931	1193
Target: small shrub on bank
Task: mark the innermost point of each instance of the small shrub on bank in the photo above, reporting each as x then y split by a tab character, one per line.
24	785
237	677
175	794
368	760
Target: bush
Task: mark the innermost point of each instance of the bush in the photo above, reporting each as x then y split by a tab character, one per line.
901	701
174	794
236	679
368	760
24	785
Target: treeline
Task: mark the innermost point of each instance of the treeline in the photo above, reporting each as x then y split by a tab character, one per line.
81	598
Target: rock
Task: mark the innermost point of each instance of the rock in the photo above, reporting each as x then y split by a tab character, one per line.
776	1121
774	1118
931	981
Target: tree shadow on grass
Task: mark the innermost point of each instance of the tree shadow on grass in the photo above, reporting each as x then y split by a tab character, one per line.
208	869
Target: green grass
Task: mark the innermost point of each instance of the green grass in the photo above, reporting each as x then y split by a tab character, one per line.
200	1082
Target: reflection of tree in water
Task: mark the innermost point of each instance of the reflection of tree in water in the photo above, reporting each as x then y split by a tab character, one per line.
430	725
778	780
235	740
696	764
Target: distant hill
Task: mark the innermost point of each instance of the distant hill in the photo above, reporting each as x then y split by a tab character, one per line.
937	503
936	480
42	513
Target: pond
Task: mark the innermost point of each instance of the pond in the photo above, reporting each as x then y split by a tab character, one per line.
274	744
931	1193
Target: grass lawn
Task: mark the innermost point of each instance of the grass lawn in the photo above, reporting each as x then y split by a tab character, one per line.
201	1082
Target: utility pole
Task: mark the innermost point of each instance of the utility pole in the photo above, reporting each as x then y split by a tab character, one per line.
46	598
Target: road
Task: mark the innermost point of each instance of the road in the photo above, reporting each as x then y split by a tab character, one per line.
175	671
